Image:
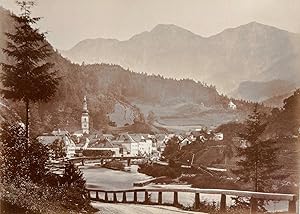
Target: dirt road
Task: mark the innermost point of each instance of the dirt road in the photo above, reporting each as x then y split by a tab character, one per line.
105	208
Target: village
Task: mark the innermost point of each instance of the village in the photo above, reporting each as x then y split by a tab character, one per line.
146	145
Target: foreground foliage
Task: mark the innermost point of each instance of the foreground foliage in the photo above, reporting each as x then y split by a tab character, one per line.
28	183
27	77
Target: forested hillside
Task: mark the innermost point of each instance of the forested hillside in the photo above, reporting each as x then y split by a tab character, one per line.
105	85
252	52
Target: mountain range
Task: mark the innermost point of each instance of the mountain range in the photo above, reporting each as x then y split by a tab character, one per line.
253	52
119	99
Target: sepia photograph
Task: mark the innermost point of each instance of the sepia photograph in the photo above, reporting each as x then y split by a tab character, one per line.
149	106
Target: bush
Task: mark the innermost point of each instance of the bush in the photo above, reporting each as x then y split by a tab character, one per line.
94	153
114	165
210	182
21	157
158	170
24	195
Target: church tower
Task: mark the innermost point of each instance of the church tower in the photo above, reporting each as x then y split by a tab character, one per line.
85	117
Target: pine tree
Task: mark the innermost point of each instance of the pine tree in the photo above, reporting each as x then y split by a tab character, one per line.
258	162
28	78
172	149
75	193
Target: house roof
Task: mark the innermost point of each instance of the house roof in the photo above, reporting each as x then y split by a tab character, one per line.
160	137
101	144
138	137
60	132
49	139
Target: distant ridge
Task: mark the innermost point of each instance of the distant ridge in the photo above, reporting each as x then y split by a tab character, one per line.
250	52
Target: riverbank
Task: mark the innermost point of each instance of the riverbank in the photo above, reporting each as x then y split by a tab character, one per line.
106	179
196	177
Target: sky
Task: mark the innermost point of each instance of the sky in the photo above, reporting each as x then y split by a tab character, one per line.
70	21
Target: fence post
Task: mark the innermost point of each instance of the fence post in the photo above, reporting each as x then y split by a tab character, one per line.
197	200
106	197
223	203
146	197
97	196
253	205
175	201
135	197
292	205
115	198
159	197
124	197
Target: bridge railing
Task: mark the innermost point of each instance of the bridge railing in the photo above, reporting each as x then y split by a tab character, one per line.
94	194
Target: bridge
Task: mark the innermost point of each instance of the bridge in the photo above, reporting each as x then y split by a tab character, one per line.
103	196
104	159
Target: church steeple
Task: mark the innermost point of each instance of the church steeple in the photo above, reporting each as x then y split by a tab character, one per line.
85	117
85	109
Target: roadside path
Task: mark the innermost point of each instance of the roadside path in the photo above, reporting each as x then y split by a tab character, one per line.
107	208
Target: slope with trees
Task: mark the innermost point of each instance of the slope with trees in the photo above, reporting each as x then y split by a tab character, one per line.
29	78
27	181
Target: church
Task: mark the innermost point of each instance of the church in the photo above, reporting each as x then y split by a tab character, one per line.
85	127
85	118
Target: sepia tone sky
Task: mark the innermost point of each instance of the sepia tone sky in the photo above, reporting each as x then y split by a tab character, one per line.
69	21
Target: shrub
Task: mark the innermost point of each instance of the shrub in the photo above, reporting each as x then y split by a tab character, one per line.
158	170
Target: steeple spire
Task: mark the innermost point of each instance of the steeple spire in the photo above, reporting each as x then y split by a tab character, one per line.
85	109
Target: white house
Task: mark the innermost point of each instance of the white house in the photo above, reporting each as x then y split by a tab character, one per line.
103	145
127	145
136	144
144	143
63	136
185	142
218	136
231	105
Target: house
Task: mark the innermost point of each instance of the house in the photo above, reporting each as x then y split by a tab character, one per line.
161	140
144	143
136	144
126	147
184	142
218	136
231	105
82	143
103	145
62	136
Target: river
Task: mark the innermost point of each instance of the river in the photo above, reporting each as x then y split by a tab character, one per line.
108	179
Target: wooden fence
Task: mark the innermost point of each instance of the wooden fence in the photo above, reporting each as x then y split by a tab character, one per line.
255	196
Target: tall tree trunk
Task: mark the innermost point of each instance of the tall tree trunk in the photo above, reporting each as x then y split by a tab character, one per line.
256	170
27	119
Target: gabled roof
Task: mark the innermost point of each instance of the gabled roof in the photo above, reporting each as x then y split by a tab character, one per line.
48	139
60	132
160	137
101	144
139	137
